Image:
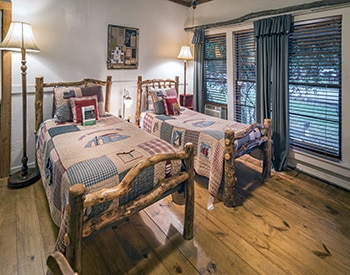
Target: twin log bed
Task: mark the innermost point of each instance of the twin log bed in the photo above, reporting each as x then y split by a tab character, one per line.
97	175
217	142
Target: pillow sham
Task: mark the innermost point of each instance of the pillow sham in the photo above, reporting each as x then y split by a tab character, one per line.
171	92
95	90
157	100
62	95
157	95
149	99
77	103
63	111
171	106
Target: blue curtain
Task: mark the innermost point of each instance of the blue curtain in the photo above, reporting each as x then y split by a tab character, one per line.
198	41
272	82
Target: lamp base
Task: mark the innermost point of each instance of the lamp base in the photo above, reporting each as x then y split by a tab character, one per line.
17	181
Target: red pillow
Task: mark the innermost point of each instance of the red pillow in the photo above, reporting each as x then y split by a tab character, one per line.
78	102
171	106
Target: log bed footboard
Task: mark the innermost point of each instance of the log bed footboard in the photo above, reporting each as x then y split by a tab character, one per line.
78	201
229	163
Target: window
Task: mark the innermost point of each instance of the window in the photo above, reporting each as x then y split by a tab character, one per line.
315	86
244	64
215	78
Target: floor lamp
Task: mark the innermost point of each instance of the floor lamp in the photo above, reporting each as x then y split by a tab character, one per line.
185	54
20	38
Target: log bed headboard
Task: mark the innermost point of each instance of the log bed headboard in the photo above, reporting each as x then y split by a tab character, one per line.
39	93
142	92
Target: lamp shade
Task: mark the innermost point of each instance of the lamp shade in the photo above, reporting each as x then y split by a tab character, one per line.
185	53
19	36
128	101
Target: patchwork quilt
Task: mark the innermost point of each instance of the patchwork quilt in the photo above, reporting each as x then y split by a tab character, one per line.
98	156
207	135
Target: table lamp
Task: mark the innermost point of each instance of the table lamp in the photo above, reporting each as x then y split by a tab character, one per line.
185	54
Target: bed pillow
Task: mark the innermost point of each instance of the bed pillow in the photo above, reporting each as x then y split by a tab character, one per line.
171	106
157	100
171	92
77	103
95	90
157	95
62	95
149	99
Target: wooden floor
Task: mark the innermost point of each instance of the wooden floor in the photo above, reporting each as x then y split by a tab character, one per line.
291	224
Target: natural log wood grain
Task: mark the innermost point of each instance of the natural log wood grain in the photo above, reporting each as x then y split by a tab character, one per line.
59	265
267	155
74	213
229	187
271	12
76	230
6	95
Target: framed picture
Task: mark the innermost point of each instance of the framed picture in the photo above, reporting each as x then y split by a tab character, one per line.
88	113
122	52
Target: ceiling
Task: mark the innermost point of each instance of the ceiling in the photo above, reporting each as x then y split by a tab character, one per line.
190	3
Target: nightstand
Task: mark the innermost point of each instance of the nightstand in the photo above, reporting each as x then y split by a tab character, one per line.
189	101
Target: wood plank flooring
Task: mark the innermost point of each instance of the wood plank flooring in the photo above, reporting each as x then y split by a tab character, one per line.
291	224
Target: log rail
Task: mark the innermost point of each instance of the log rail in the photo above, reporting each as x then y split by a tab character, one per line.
78	200
229	162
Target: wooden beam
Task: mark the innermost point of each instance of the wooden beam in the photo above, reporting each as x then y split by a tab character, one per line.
6	93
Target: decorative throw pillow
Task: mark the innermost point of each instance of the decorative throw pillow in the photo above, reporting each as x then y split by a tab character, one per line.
95	90
157	99
149	100
62	95
171	92
78	102
171	106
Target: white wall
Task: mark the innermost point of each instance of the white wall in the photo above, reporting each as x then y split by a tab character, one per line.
223	10
72	36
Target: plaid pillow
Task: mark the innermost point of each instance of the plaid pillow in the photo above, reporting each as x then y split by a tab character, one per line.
157	99
95	90
62	95
78	102
171	106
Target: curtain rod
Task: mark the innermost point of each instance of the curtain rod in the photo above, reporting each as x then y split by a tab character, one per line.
265	13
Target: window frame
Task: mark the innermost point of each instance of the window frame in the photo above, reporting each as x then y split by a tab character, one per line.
319	89
220	57
244	57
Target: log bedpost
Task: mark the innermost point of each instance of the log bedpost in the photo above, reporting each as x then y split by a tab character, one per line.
74	234
229	170
177	79
39	98
267	161
189	193
108	93
138	102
